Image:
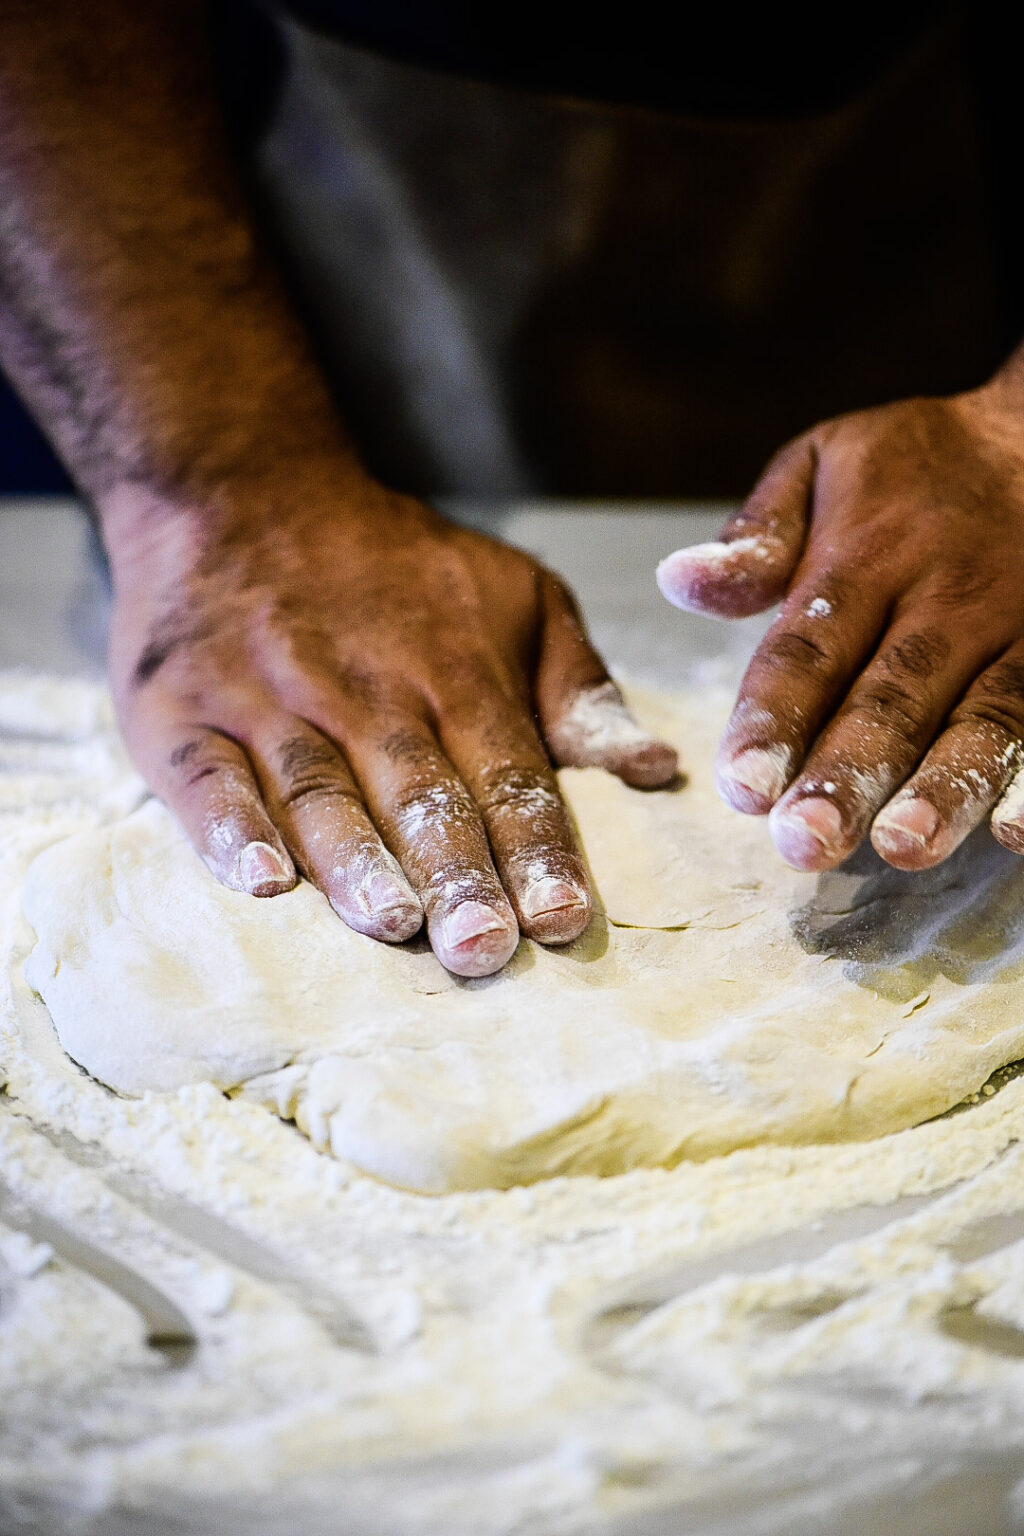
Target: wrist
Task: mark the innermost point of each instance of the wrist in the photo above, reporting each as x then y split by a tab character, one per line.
148	529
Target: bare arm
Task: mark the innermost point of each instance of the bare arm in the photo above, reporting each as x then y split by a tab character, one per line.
313	671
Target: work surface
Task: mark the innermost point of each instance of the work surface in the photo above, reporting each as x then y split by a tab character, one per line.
228	1332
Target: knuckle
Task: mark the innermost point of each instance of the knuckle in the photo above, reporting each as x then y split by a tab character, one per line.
962	579
996	700
408	748
437	808
301	754
363	687
790	649
522	794
198	760
1004	681
918	655
312	771
981	713
313	789
176	632
888	704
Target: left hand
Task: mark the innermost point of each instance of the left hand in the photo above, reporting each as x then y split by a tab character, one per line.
888	696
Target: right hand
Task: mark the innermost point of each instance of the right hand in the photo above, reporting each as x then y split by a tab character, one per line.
338	681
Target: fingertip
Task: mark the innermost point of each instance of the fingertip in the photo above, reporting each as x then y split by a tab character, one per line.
1008	817
655	765
263	870
807	834
474	939
753	780
392	924
904	834
597	730
384	906
554	911
1010	834
719	579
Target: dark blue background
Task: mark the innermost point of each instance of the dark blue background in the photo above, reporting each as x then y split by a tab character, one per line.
27	463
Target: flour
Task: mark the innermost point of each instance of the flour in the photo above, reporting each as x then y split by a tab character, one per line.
1008	815
597	721
789	1334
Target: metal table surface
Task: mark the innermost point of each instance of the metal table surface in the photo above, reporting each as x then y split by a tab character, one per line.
54	595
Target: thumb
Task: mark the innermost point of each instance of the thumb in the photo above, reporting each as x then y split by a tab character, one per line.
749	567
583	717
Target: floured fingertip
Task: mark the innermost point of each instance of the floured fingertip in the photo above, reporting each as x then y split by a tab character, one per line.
721	579
262	870
1008	817
474	939
753	780
597	730
649	767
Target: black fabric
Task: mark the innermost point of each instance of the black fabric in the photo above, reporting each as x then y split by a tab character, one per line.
755	62
773	64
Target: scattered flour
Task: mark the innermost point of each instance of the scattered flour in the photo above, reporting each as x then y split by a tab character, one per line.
791	1334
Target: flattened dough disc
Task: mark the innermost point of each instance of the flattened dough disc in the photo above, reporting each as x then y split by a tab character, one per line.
717	1000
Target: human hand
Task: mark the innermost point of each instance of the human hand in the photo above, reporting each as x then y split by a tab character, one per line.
345	684
888	695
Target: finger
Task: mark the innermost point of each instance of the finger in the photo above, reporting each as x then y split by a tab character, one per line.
583	717
501	759
887	722
959	781
313	798
798	675
749	567
1008	816
429	821
1001	691
208	782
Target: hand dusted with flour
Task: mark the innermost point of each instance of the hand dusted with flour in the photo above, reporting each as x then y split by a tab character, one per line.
358	690
316	674
888	697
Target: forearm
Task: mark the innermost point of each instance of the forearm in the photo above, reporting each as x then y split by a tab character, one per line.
139	317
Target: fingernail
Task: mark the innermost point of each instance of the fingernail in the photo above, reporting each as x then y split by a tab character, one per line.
910	822
391	905
806	830
675	573
469	920
549	894
262	871
755	779
679	573
380	892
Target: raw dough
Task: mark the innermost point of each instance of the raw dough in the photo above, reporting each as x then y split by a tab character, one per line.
718	1001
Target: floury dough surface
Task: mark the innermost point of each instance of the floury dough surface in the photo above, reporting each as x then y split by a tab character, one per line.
777	1342
719	1000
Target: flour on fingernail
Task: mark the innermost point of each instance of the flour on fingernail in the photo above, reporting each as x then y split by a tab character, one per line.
757	776
1010	810
262	871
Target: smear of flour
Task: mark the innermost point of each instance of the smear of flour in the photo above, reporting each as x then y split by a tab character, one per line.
598	721
1010	810
788	1335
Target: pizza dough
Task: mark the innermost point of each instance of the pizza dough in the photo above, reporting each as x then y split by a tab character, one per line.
718	1000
